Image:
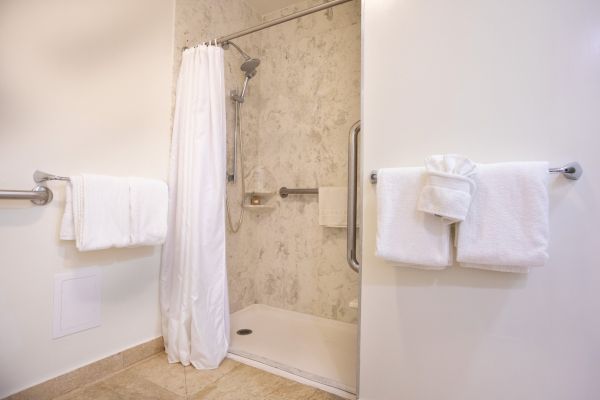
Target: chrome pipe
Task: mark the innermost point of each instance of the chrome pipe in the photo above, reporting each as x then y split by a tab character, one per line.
352	196
242	52
277	21
40	195
240	99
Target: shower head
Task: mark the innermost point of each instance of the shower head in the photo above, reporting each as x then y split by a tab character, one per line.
249	67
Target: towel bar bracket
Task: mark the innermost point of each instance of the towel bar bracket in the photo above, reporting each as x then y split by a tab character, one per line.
373	177
40	177
572	171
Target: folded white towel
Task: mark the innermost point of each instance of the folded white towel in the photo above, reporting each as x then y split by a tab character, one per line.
447	193
102	212
404	234
332	206
103	220
507	225
148	206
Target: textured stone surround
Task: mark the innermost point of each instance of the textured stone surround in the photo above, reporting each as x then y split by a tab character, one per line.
296	118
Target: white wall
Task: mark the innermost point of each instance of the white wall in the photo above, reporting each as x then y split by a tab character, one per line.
497	81
84	87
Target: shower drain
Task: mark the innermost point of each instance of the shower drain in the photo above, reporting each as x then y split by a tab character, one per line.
244	332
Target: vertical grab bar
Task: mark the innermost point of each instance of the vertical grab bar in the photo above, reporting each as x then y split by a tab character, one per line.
352	195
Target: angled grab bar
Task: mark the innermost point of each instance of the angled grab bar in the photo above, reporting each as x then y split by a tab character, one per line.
352	196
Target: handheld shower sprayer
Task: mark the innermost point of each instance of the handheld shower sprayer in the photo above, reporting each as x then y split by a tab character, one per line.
248	67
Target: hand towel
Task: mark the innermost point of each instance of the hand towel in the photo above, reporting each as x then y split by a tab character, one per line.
149	200
449	187
404	234
332	206
507	226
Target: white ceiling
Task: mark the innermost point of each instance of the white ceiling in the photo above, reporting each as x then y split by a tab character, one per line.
263	7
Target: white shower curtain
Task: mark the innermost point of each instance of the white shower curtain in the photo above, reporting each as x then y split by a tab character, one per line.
193	280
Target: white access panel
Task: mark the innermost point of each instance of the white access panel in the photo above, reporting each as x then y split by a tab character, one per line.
77	301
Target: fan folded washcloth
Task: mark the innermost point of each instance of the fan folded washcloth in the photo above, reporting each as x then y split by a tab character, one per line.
507	225
103	212
332	206
404	234
449	187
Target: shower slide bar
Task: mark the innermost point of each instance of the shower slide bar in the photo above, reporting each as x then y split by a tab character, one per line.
572	171
224	39
40	195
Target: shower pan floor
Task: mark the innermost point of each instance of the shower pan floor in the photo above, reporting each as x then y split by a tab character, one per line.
319	351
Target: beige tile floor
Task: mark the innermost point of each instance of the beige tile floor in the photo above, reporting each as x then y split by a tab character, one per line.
155	378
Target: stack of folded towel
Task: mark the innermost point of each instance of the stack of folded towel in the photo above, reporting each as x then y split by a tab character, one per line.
405	234
102	212
501	212
507	226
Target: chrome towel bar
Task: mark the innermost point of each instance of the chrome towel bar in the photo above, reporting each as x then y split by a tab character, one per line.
572	170
40	195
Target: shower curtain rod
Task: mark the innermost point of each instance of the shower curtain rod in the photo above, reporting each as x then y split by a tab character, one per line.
268	24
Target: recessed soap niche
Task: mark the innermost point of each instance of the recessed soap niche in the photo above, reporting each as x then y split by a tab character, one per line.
260	190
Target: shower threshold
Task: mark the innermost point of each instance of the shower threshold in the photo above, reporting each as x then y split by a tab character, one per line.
312	350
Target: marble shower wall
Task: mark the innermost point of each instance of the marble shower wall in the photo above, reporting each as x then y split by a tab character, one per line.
197	21
296	118
309	98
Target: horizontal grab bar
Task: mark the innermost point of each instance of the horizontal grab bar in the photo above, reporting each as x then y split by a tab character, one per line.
285	192
40	195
